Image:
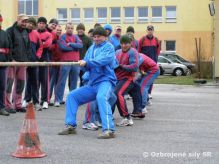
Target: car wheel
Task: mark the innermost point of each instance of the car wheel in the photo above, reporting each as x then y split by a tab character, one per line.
178	72
161	71
189	72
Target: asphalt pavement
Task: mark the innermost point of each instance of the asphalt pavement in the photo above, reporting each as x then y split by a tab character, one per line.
182	126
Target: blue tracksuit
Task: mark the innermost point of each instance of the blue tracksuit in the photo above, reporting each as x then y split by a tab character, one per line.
115	41
100	60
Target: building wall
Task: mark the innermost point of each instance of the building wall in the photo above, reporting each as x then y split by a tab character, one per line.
193	20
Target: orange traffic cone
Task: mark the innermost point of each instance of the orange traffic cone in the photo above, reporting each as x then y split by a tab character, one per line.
29	142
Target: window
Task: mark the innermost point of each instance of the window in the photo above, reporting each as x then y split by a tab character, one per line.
171	14
171	45
156	14
115	15
142	14
129	14
102	15
62	16
75	16
88	15
28	7
162	60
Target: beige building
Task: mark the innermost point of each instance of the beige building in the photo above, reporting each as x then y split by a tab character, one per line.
177	22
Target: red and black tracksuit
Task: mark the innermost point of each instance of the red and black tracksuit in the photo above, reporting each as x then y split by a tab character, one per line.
150	46
32	78
46	39
125	73
56	56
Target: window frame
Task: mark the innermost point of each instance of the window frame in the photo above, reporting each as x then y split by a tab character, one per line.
171	19
101	19
63	20
25	7
166	45
115	20
75	20
129	19
142	19
88	19
156	19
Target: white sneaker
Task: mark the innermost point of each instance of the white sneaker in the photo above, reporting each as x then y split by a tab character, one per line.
38	107
89	126
149	96
56	104
125	122
149	102
24	104
98	124
45	105
145	111
130	121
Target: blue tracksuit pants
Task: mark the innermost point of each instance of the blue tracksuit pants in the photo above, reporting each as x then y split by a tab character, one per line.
92	114
64	72
101	93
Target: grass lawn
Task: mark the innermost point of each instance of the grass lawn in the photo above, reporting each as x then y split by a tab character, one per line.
179	80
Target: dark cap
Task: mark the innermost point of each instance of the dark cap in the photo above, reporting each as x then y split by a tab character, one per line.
53	20
125	39
32	20
130	29
80	26
150	27
42	19
99	31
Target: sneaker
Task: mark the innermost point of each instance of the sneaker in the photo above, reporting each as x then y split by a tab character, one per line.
62	102
99	125
125	122
68	130
144	110
90	126
45	105
149	102
138	115
4	112
24	104
22	110
38	107
56	104
130	121
127	97
106	135
51	104
11	110
149	96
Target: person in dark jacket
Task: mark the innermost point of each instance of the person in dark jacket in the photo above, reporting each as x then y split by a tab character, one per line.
21	53
87	42
5	46
32	86
46	39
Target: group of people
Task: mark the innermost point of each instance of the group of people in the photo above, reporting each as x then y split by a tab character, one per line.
111	66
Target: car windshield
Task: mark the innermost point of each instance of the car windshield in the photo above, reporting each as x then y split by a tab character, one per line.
180	58
175	57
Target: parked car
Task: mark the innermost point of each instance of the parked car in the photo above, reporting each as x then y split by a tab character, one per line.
191	66
171	66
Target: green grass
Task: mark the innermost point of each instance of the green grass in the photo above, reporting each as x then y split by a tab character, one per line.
179	80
